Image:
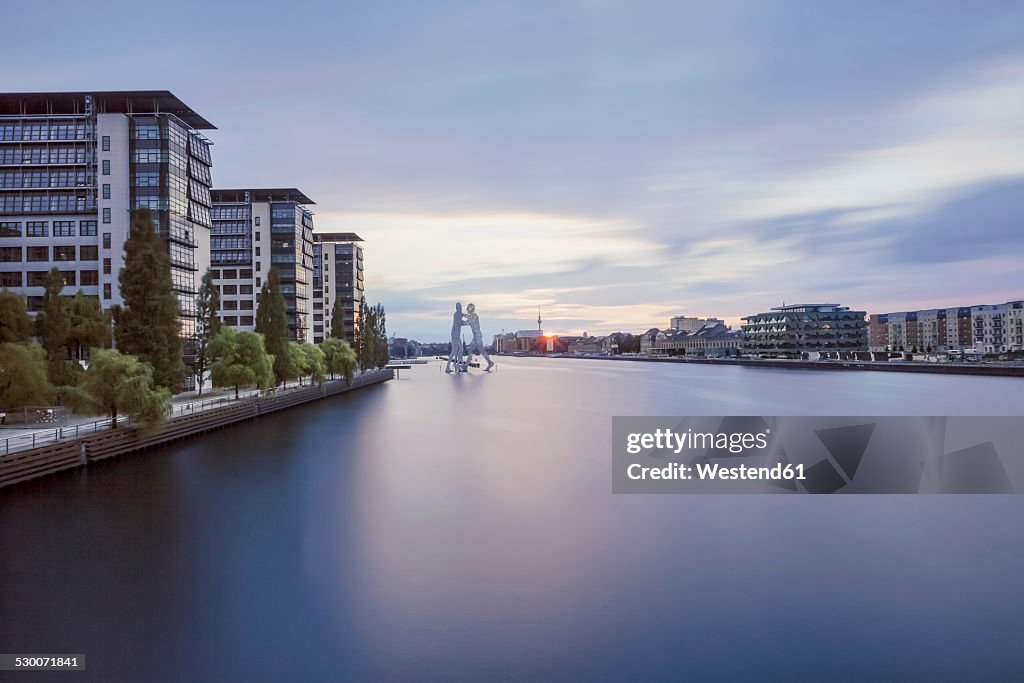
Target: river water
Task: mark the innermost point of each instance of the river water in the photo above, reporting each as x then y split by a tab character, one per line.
464	527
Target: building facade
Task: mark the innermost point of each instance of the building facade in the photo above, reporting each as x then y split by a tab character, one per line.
74	165
337	275
992	328
683	324
791	331
253	231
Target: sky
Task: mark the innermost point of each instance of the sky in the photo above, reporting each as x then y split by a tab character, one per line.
610	163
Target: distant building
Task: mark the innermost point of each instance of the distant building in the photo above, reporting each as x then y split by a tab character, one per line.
713	340
993	328
683	324
791	331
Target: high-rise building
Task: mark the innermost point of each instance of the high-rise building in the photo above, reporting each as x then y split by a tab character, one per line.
73	165
254	230
337	274
790	331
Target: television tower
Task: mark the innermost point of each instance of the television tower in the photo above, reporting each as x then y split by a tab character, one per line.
539	329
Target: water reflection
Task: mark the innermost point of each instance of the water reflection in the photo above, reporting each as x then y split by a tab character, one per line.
464	525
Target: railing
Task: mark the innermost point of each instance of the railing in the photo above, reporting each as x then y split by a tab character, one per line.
44	437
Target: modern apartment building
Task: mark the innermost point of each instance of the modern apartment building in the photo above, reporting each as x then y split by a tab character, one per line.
73	165
790	331
991	328
337	274
253	230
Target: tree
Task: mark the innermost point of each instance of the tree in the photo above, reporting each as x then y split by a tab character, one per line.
308	361
119	384
272	323
23	379
339	358
149	325
362	333
89	327
53	327
207	325
15	322
240	359
337	319
381	357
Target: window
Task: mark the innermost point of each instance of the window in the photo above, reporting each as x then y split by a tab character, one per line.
230	320
258	266
106	167
10	229
257	251
245	274
63	228
106	240
88	252
229	274
36	229
106	215
35	278
245	289
38	254
230	289
35	303
89	277
106	190
87	228
257	224
106	143
257	282
230	305
9	254
106	290
63	253
257	237
246	320
245	304
10	279
69	278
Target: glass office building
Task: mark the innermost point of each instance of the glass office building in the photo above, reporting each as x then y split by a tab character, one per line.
337	274
73	166
254	230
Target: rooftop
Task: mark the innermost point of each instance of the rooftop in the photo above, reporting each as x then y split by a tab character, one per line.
336	237
104	102
276	194
807	307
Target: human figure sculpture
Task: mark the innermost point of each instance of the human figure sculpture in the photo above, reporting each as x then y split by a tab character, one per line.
476	345
456	350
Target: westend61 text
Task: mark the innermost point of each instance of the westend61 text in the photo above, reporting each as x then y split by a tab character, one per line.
708	471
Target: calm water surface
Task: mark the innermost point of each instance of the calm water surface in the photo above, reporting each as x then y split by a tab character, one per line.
463	527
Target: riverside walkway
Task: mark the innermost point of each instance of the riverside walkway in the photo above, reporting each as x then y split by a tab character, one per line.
38	453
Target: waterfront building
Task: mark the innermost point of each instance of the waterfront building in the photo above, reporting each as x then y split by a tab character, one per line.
254	230
337	274
73	165
713	340
521	341
991	328
682	323
791	331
